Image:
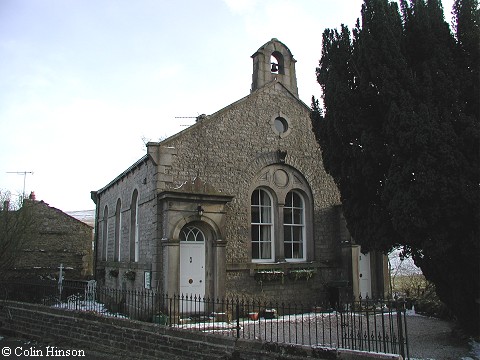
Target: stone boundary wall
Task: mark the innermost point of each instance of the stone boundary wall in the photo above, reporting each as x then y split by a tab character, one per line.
122	338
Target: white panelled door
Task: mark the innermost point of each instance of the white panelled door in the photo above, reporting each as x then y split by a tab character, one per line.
192	267
365	281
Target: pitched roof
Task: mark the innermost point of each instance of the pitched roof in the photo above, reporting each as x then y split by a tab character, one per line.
200	119
228	107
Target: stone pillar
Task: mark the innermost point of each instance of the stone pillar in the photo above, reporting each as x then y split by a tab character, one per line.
156	266
171	267
375	275
355	279
379	274
387	276
220	268
279	250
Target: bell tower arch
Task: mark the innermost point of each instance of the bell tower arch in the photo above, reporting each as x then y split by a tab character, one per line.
274	62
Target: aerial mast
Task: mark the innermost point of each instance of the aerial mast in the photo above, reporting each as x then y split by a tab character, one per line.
24	173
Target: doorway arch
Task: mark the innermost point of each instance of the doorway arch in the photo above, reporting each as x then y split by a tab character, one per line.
198	257
183	211
192	261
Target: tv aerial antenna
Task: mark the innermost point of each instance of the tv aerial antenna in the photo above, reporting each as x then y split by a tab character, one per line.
186	117
24	173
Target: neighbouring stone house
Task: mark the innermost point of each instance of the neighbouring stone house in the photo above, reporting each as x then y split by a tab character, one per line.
52	238
237	204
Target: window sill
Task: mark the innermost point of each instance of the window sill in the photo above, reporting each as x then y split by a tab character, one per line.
278	274
284	266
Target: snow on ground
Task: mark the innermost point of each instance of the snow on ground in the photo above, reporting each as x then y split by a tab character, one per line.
429	338
475	346
88	306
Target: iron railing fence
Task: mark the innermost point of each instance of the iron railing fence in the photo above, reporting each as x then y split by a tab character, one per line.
364	324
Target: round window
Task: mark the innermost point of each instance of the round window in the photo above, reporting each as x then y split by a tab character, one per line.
281	125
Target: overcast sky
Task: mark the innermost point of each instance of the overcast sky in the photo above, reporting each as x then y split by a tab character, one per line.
85	82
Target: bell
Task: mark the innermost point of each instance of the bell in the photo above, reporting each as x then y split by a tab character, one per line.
274	67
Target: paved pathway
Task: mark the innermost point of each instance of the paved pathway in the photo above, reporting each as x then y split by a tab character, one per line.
432	338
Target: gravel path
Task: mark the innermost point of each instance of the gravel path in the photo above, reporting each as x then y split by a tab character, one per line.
432	338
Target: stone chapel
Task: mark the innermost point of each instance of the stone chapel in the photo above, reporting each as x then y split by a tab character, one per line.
237	204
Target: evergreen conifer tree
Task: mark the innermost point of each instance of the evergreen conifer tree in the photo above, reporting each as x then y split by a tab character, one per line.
400	136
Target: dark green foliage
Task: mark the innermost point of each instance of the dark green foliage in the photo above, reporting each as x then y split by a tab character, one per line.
429	304
466	23
400	136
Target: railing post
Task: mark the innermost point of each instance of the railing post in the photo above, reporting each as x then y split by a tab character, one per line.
237	315
406	334
401	342
383	328
367	314
169	300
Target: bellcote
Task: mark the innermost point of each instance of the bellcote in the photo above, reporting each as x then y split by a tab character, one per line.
274	62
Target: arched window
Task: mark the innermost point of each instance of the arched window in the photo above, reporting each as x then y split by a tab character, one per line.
134	240
105	233
281	216
262	226
192	233
294	227
118	231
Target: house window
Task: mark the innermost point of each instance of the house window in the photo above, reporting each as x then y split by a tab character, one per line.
294	227
134	240
118	231
262	226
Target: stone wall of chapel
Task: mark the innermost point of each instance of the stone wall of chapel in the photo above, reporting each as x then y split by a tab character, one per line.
228	150
141	178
